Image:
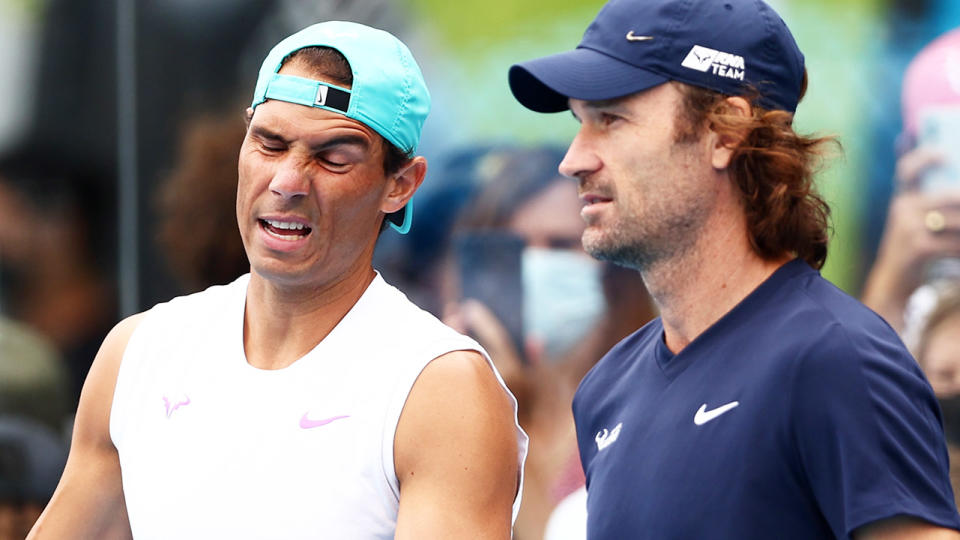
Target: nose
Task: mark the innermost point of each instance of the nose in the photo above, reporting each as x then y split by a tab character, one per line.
290	180
580	160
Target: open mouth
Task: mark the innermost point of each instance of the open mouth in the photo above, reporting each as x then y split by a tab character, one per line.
594	199
284	230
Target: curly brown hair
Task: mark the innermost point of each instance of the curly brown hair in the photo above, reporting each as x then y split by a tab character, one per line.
774	168
196	205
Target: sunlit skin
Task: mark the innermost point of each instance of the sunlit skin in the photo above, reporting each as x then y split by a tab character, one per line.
318	176
666	208
317	169
645	199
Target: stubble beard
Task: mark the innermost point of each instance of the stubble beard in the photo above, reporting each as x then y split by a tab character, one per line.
642	243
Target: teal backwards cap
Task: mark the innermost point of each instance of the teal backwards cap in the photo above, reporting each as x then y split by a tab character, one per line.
388	93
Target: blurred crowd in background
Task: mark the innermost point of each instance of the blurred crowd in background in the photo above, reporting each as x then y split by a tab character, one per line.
118	149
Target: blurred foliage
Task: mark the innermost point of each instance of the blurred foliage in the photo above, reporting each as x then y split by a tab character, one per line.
31	8
465	24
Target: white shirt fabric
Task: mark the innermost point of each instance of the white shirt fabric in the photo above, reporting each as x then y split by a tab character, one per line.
568	520
212	447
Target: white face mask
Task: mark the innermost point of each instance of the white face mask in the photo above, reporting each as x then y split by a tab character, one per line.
562	297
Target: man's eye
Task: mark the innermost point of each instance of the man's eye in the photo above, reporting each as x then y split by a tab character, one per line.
607	118
334	162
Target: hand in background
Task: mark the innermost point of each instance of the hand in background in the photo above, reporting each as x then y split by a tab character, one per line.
920	227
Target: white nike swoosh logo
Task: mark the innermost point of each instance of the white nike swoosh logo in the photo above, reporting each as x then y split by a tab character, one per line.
703	415
633	37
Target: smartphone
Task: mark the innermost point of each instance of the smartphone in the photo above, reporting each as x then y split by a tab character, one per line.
939	128
489	265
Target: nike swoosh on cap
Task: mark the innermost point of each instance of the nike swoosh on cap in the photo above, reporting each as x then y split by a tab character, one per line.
633	37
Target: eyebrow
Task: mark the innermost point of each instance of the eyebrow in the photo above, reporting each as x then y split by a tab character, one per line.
264	133
342	140
604	103
600	104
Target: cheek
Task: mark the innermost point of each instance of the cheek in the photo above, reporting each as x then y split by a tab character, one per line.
250	173
357	192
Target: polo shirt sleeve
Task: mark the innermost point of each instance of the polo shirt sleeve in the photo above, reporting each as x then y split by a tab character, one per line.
868	432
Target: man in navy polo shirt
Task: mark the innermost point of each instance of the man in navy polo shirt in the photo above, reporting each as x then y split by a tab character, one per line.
764	402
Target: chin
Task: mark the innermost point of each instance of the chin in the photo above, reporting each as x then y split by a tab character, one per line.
595	242
277	271
616	250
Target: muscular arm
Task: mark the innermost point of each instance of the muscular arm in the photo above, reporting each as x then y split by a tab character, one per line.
455	453
904	528
88	502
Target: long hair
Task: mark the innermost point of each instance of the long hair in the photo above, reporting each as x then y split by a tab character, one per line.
773	167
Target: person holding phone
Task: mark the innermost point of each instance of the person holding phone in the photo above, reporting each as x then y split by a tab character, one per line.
919	251
309	398
763	402
541	306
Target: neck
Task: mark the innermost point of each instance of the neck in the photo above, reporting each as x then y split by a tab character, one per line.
282	323
696	288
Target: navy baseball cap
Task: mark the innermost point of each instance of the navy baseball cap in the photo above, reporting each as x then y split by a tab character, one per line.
734	47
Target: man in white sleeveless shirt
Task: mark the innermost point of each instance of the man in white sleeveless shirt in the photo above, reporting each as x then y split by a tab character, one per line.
308	399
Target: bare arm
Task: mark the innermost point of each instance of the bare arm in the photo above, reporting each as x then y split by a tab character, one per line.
455	453
88	502
904	528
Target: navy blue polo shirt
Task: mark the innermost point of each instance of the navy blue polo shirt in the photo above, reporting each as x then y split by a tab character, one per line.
799	414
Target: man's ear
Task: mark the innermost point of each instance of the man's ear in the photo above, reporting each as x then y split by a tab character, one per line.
247	116
403	184
725	143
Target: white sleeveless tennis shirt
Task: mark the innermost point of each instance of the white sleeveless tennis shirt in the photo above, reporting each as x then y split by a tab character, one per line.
211	447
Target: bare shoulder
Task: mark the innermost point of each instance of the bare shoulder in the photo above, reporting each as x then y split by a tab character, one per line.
462	371
456	452
98	388
460	393
88	501
93	413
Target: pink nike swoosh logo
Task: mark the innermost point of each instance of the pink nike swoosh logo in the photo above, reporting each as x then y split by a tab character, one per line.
307	423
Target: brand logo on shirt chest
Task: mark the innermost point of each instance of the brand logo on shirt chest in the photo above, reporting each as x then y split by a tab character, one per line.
605	438
703	415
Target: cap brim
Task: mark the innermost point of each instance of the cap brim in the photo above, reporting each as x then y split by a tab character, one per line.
545	84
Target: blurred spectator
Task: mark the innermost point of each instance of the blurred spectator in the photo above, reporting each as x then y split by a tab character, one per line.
34	382
574	309
54	229
939	355
415	261
197	205
939	347
32	457
921	239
